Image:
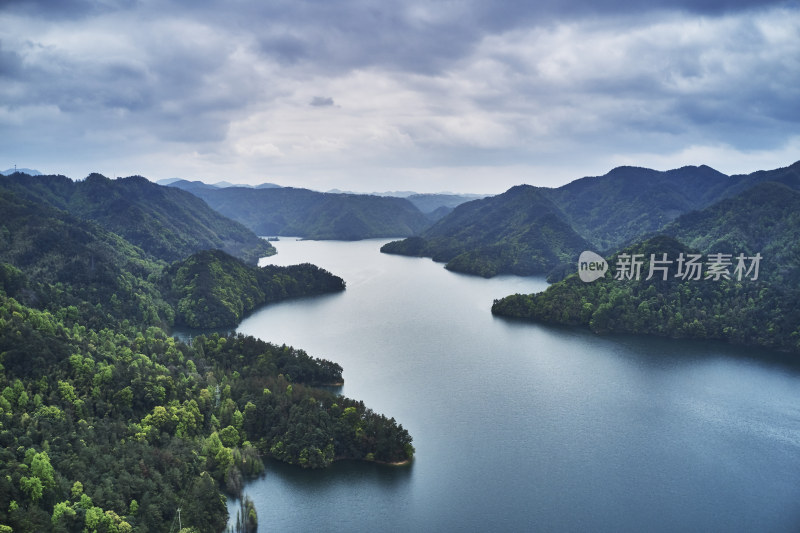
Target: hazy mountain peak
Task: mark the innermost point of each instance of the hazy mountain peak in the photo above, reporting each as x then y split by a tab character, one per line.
194	184
28	171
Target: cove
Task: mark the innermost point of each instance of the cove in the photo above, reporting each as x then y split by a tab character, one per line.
522	427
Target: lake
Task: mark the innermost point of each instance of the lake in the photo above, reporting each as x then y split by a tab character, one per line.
526	427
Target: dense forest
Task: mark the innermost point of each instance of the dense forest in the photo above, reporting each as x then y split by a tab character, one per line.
109	424
315	215
211	289
742	305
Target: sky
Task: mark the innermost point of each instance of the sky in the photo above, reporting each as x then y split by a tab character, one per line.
455	95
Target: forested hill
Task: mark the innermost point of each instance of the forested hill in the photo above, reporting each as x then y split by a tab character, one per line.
518	232
166	223
109	424
764	219
522	233
628	202
211	289
316	215
759	307
61	261
789	176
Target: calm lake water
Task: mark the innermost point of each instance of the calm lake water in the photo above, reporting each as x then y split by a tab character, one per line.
525	427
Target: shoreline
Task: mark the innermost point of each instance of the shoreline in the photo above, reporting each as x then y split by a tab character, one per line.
404	462
395	463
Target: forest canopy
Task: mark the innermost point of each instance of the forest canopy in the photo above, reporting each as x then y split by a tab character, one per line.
107	423
211	289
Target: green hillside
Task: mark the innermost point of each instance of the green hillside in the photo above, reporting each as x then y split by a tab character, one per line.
166	223
628	202
764	219
109	424
518	232
71	262
760	308
211	289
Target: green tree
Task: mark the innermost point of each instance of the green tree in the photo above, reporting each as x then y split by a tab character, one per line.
42	469
62	512
229	436
32	486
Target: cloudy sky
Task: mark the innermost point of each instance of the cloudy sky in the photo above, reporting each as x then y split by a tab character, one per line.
459	95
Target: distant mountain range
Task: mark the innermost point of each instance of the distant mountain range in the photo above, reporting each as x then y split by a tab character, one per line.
496	235
436	206
397	194
314	215
189	185
333	215
27	171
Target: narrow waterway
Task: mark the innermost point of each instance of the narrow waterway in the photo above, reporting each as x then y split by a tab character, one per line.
522	427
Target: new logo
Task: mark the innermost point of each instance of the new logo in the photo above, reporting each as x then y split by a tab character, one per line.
591	266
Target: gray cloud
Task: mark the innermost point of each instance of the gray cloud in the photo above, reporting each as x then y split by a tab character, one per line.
443	84
65	9
425	37
321	101
10	63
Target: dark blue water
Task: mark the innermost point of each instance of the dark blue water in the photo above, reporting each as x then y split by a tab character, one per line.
522	427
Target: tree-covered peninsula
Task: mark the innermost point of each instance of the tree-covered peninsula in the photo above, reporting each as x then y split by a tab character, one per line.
109	424
211	289
518	232
754	300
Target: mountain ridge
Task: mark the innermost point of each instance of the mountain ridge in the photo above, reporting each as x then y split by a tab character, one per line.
314	215
606	211
167	223
518	232
759	306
